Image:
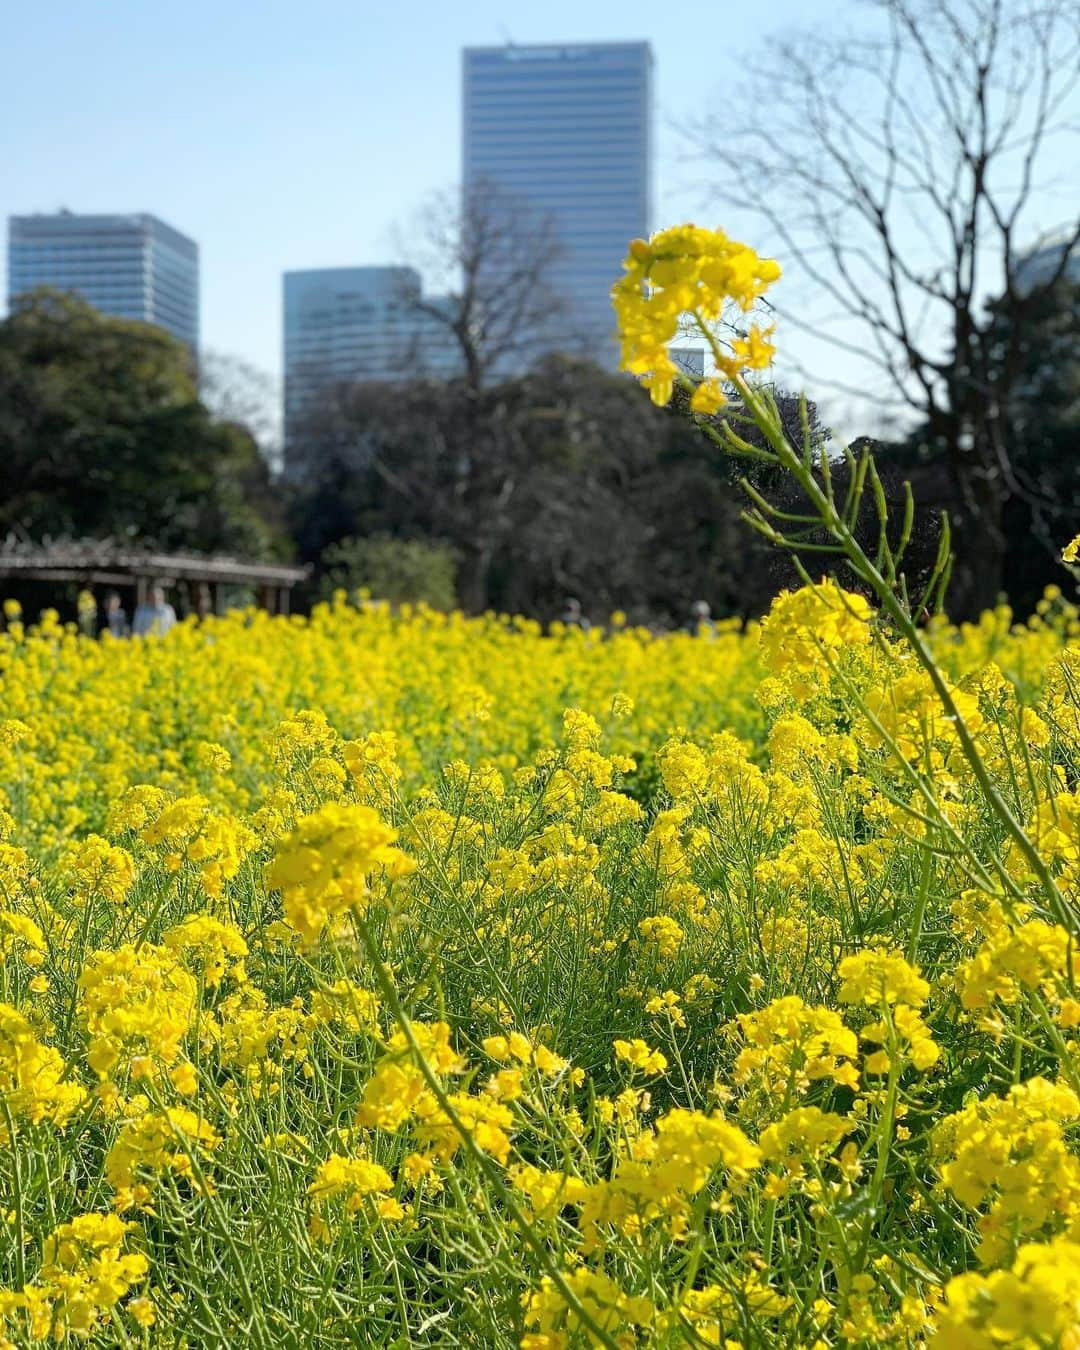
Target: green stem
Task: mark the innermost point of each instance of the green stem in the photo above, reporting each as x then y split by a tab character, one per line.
16	1177
483	1162
864	568
259	1329
920	906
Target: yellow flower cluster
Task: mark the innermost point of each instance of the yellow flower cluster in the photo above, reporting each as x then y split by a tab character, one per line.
1011	1155
85	1272
788	1046
808	630
1036	1301
352	1182
322	868
137	1005
33	1081
604	1304
154	1142
98	868
688	271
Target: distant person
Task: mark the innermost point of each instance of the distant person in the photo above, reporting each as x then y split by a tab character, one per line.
88	615
204	601
155	618
572	616
700	622
116	619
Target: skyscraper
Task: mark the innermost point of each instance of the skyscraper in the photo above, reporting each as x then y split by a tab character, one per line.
567	131
1055	254
129	266
355	323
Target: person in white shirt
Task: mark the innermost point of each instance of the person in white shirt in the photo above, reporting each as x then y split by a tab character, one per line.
155	618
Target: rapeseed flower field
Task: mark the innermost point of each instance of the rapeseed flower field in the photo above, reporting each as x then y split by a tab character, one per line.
414	980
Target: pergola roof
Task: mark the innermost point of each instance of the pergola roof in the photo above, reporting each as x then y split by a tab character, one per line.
108	563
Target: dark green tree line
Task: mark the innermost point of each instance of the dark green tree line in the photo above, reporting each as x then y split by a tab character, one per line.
102	435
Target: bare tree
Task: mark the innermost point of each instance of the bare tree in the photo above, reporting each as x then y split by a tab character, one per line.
489	261
490	306
236	391
902	170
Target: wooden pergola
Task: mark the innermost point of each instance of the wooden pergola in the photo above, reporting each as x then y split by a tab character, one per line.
206	580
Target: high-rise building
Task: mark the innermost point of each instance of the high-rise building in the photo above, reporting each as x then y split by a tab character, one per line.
690	360
356	323
1056	254
567	132
129	266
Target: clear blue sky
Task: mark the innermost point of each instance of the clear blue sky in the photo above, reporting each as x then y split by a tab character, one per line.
283	134
299	133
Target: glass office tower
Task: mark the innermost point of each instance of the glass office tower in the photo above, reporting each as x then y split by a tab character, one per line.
129	266
1038	264
346	324
567	131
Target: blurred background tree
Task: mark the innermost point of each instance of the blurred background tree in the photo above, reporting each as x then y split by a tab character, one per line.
899	174
576	485
1042	427
234	390
102	435
400	571
490	260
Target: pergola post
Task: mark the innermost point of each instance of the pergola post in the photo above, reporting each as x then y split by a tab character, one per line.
283	600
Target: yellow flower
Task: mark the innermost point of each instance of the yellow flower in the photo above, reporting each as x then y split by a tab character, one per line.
638	1054
138	1003
184	1078
806	629
875	976
707	397
663	933
323	867
685	270
214	949
353	1179
84	1274
155	1142
555	1322
34	1082
1036	1301
346	1005
487	1120
754	351
684	769
142	1310
391	1094
788	1046
21	937
98	868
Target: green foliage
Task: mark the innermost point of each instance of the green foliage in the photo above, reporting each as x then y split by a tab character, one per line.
102	435
565	481
401	571
1039	359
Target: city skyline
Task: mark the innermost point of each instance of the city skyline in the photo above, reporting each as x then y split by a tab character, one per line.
560	130
287	159
317	134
